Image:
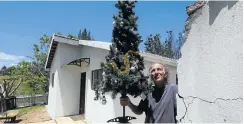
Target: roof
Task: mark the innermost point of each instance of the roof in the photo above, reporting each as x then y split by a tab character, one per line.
96	44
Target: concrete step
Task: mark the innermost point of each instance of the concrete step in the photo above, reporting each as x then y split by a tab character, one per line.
45	122
49	122
80	122
64	120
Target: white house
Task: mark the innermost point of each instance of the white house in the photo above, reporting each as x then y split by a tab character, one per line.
210	71
73	66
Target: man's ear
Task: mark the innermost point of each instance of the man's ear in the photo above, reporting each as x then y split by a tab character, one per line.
166	75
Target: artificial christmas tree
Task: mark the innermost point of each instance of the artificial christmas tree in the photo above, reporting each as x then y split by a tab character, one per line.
123	69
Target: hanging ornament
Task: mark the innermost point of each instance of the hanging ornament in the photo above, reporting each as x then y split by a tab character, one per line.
104	101
121	23
116	50
107	58
104	79
132	69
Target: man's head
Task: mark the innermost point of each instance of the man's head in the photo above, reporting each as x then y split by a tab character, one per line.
159	74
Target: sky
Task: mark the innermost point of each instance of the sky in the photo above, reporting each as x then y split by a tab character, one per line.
23	23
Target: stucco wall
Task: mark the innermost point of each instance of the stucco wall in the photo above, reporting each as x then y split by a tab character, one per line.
210	70
68	86
52	89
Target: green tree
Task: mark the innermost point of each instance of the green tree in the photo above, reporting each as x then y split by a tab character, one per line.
3	70
153	44
178	45
39	81
169	49
12	77
123	70
72	36
168	45
85	35
149	44
79	35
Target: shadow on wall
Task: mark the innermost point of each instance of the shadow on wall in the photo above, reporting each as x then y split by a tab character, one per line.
216	6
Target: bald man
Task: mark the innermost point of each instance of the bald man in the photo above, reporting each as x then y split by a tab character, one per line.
160	104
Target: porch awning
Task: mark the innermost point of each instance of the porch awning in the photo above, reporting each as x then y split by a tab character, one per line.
79	62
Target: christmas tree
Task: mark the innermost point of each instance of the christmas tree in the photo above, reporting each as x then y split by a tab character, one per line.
123	69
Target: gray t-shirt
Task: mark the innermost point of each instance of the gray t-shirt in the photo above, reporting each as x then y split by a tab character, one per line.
162	109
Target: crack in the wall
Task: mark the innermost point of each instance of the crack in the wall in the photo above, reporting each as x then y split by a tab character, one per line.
183	100
194	97
214	100
188	108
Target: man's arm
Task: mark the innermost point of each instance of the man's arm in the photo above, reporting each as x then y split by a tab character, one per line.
136	109
175	114
175	102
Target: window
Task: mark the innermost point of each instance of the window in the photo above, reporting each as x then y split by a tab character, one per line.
96	76
53	79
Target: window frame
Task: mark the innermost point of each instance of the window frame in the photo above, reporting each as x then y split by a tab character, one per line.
96	76
52	82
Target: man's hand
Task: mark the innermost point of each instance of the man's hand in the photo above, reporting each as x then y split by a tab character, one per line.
125	101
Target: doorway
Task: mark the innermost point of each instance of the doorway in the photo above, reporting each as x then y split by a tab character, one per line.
82	92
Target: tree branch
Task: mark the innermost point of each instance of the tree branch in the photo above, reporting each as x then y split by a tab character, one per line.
4	88
11	86
40	72
20	82
2	91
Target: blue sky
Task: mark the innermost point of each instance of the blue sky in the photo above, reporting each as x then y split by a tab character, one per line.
22	23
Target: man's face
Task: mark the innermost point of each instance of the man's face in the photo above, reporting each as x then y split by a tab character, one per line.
158	74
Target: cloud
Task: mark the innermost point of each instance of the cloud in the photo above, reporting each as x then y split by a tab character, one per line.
4	56
10	60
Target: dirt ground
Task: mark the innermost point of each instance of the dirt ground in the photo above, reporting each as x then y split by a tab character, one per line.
38	115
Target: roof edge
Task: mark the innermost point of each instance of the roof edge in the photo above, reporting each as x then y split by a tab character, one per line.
105	46
49	49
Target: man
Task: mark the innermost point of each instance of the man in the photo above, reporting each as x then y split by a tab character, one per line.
160	104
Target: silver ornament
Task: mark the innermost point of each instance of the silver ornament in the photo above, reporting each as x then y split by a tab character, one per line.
133	69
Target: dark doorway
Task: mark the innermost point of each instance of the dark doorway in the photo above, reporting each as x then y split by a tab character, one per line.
82	92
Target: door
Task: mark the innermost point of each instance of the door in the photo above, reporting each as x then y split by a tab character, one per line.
82	92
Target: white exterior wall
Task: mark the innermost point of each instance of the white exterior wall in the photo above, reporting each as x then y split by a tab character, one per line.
64	98
52	89
211	65
68	88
